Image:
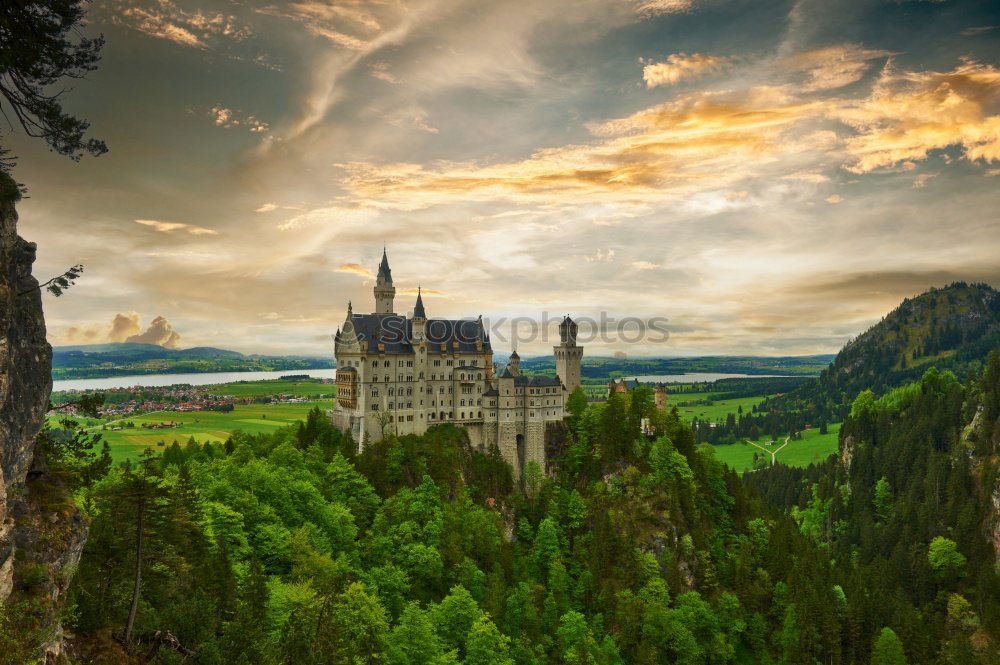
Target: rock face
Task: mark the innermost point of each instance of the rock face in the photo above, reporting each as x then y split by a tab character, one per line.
41	531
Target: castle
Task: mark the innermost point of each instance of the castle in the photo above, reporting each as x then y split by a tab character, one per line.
401	375
623	386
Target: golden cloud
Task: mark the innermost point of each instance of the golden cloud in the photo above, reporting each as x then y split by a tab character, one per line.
170	227
909	114
123	326
356	269
680	66
712	140
657	7
832	67
159	332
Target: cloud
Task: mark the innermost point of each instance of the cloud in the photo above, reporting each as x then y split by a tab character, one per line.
163	19
832	67
601	256
159	332
909	114
380	70
977	30
657	7
267	207
680	66
356	269
228	118
645	265
834	198
170	227
123	326
349	25
922	179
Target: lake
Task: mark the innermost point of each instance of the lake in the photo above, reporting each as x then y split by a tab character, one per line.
695	377
194	379
211	378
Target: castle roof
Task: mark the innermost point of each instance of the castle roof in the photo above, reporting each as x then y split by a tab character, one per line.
418	309
396	333
537	381
384	274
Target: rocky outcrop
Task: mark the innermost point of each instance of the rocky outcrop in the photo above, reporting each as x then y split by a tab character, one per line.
41	531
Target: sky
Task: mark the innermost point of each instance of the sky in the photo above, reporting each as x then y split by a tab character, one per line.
770	178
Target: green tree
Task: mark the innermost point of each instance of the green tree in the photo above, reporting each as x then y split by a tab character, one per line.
883	499
486	645
946	561
888	649
37	50
360	627
413	640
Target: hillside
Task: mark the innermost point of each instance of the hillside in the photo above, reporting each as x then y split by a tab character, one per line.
124	359
951	328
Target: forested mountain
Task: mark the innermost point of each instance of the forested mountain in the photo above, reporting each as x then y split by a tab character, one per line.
910	514
950	328
127	358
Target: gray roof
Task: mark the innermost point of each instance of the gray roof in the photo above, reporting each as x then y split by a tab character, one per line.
418	309
537	381
384	274
396	332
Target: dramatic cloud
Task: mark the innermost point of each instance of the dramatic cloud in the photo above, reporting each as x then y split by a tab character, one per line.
159	332
267	207
680	66
909	114
170	227
123	326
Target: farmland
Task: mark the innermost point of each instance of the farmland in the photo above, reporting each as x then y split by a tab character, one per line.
812	447
203	426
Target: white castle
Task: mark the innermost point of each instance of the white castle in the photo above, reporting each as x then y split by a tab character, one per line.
401	375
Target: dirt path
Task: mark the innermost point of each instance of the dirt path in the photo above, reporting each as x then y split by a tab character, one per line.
772	453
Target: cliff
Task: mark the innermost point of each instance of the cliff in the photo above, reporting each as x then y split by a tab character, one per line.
41	531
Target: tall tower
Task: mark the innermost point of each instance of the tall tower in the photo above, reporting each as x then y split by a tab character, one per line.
568	354
384	290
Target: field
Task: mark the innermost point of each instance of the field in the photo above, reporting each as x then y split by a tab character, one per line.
813	447
203	426
719	409
295	387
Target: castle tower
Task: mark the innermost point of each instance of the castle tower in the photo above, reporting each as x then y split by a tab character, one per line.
384	290
660	397
568	355
515	364
419	318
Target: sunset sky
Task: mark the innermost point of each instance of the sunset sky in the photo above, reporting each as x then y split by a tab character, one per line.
770	176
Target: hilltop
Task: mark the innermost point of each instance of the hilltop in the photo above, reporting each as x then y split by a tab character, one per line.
952	328
125	358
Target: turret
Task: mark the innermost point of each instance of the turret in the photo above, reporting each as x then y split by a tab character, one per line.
515	363
568	355
385	292
419	318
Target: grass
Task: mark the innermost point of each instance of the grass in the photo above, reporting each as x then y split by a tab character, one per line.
813	447
297	388
717	410
204	426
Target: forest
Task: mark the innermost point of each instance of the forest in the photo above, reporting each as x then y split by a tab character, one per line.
294	547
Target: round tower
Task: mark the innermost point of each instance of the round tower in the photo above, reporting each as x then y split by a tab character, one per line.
568	355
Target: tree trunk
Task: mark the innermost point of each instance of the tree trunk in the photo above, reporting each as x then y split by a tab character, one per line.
140	506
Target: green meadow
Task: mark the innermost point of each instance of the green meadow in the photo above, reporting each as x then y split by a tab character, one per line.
718	409
203	426
813	447
294	387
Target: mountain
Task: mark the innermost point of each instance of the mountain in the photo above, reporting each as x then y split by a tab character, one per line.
951	328
123	359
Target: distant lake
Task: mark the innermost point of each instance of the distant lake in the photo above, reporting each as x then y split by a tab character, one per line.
695	377
195	379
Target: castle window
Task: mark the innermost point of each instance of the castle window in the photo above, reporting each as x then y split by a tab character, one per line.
480	414
449	363
387	363
374	407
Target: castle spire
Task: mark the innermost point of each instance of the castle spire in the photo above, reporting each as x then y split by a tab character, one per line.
384	273
418	309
